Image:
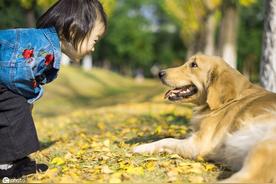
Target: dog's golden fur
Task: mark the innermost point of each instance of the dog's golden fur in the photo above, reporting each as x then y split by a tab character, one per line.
234	120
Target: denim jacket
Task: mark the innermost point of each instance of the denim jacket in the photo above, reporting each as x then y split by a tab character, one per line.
29	58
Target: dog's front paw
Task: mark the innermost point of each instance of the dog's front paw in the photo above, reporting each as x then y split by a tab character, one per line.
144	148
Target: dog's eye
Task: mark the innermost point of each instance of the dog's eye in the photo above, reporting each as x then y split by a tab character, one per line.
194	65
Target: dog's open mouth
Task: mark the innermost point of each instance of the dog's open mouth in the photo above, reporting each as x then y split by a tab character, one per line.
181	93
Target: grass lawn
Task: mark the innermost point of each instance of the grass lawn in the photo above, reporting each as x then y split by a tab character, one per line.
88	122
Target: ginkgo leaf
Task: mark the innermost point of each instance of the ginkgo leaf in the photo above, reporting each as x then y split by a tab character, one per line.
58	161
210	167
106	170
196	179
115	178
135	170
106	143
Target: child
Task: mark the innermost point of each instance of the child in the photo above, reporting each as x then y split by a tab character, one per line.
30	58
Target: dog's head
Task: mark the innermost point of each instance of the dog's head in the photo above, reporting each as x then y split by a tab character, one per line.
203	80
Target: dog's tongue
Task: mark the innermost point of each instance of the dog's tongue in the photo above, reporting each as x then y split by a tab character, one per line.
168	93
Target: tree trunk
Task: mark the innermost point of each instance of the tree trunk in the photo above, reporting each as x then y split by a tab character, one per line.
190	51
228	34
106	64
210	35
197	45
249	67
268	61
204	40
30	17
30	14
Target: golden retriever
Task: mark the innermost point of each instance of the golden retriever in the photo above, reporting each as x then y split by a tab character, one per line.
234	120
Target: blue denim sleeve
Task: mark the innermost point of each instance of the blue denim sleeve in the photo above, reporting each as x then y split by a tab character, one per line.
26	55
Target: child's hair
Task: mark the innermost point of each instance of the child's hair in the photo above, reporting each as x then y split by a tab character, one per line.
73	19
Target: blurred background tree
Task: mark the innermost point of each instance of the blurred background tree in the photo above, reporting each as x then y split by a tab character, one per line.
150	34
268	64
189	16
203	17
139	36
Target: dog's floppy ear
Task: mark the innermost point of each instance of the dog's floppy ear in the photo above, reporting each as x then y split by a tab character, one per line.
221	87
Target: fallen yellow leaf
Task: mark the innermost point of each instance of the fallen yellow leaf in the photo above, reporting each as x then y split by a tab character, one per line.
57	161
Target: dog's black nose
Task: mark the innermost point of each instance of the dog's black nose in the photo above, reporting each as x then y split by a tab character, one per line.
162	74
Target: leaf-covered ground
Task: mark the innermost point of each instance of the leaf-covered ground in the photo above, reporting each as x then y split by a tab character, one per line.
88	123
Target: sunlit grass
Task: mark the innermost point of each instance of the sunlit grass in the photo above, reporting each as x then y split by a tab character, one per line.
88	122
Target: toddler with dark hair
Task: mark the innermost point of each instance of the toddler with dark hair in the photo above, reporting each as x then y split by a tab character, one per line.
30	58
